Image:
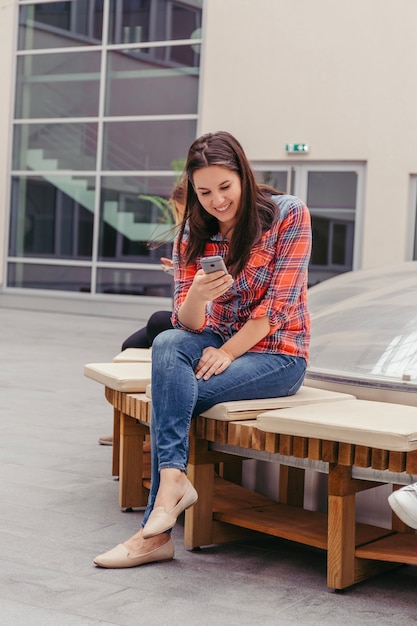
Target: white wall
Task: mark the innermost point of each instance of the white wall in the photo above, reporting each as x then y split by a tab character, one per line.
338	76
7	17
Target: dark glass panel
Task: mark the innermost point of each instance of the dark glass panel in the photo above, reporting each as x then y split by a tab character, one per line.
332	190
60	24
52	277
58	85
136	222
320	228
339	244
150	145
276	179
63	146
135	21
139	85
137	282
52	218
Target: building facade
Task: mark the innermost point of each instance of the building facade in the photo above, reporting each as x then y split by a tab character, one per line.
103	97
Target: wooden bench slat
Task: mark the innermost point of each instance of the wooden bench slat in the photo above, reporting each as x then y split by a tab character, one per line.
379	459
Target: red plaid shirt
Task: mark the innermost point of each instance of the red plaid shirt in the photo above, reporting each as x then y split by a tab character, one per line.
273	283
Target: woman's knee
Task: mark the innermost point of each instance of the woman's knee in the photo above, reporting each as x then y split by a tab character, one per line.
168	340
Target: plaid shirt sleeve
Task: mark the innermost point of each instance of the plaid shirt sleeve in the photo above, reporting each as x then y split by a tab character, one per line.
287	276
183	278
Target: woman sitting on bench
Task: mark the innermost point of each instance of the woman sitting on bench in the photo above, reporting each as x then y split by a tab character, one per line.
238	334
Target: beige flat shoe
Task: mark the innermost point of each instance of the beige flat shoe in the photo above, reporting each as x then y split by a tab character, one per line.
119	557
160	521
106	440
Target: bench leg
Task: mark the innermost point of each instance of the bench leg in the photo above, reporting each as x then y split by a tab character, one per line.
341	542
198	524
343	567
231	470
132	493
116	442
291	485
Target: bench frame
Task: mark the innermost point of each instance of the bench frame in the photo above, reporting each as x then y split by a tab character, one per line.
226	511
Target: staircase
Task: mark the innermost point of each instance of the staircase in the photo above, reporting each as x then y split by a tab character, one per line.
77	188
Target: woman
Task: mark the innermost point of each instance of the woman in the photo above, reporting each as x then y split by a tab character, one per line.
240	335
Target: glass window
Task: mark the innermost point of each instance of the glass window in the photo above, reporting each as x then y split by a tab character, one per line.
137	85
321	236
276	179
339	247
136	282
153	145
135	21
134	212
58	85
52	218
184	21
331	198
55	277
332	242
60	24
332	190
59	146
130	129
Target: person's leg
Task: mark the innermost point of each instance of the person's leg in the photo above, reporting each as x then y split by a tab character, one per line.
177	395
143	338
139	339
173	385
157	323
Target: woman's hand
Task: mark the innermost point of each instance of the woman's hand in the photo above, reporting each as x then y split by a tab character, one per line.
167	265
208	287
203	289
213	361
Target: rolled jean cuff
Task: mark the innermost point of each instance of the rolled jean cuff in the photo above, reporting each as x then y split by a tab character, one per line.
178	466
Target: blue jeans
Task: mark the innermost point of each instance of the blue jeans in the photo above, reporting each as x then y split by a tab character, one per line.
177	395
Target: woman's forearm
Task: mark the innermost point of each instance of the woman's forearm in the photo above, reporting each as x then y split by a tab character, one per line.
249	335
192	312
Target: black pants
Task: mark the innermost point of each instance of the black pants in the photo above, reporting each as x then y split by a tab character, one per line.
143	338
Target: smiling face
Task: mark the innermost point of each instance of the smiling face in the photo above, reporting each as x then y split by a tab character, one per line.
219	191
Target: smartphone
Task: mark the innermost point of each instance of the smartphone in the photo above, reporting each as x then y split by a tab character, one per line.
213	264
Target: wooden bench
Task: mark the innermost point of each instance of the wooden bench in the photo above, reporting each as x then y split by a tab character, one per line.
298	438
124	376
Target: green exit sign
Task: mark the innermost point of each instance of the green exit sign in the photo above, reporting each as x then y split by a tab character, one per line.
296	148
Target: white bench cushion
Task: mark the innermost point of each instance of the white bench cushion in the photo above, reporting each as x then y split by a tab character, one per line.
126	377
249	409
362	422
134	355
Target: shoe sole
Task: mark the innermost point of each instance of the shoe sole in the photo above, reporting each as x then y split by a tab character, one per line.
400	512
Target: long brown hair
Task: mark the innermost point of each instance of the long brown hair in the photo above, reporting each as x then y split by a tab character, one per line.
178	196
257	210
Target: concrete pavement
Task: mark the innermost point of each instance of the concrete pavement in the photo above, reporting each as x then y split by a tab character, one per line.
58	509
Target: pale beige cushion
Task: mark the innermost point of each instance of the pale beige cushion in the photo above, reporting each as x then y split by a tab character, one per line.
249	409
127	377
363	422
134	355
